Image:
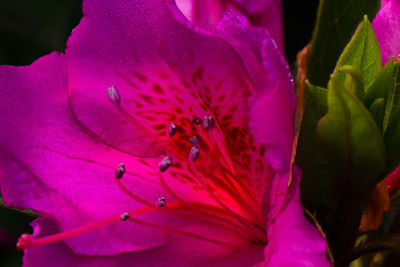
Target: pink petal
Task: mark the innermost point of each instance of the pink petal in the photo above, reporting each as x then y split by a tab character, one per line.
165	70
387	29
383	2
273	105
272	124
393	181
59	168
203	13
266	14
294	241
162	69
177	252
261	13
53	165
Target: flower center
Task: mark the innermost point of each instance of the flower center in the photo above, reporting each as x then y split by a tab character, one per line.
195	157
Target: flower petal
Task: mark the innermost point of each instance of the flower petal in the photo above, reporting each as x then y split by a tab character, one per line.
383	2
294	241
272	124
165	72
52	164
273	106
387	29
393	181
260	13
49	162
266	14
203	13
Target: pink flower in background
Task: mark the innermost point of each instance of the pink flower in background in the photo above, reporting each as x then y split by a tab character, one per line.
203	123
387	29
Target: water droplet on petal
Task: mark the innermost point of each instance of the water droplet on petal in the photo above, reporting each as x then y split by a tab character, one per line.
119	172
165	163
113	95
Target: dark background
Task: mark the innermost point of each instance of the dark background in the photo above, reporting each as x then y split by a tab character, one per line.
30	29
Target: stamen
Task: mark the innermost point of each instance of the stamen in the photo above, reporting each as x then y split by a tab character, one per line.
180	208
115	99
209	122
124	216
172	129
174	207
233	183
119	172
223	213
234	192
28	241
113	95
195	141
194	152
161	202
196	120
199	178
165	163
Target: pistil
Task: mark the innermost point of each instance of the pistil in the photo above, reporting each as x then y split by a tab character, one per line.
26	240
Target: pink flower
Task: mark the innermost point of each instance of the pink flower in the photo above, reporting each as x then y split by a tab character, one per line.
203	124
387	29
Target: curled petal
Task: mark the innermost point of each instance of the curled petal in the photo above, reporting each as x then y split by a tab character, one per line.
266	14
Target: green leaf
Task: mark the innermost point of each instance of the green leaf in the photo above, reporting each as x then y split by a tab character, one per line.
392	141
363	53
391	242
336	22
381	85
387	87
393	96
353	81
377	110
333	129
317	177
27	212
354	147
344	132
